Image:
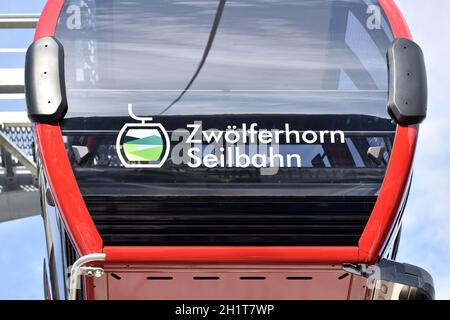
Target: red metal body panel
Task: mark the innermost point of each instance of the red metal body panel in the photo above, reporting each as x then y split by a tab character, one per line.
48	19
87	239
225	282
226	254
396	20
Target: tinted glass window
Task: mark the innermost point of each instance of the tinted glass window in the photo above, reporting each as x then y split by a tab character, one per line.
283	56
315	65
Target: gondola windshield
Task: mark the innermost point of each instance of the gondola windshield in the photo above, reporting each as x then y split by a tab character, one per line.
227	95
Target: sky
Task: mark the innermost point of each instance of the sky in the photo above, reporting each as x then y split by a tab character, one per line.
426	231
426	228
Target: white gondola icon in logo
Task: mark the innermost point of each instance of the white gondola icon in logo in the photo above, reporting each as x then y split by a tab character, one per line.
142	145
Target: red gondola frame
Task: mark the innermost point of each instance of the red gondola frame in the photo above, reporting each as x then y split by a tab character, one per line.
86	238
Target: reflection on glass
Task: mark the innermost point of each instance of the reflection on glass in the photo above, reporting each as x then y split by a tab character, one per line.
318	65
146	52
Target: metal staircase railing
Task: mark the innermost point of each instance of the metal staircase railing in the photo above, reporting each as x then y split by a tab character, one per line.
17	141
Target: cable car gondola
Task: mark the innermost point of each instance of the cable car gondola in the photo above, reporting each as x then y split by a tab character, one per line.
226	140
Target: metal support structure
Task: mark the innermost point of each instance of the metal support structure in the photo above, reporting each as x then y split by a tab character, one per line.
18	196
13	50
78	269
19	20
12	149
9	168
12	81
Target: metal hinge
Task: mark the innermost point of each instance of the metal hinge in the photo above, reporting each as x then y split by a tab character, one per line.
78	269
92	272
363	270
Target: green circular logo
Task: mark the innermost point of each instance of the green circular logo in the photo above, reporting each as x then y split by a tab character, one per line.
143	145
